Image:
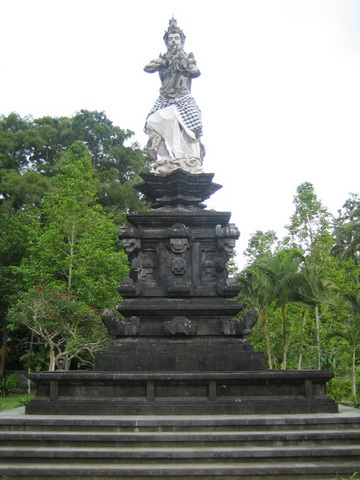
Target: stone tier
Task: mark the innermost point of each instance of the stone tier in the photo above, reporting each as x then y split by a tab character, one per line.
181	393
194	219
204	316
176	354
177	188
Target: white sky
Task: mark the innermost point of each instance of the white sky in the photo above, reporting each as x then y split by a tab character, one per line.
279	90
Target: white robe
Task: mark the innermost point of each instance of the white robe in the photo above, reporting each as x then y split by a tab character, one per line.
179	139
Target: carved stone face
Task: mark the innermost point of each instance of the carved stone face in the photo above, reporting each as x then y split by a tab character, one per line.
127	230
178	245
131	244
174	42
228	244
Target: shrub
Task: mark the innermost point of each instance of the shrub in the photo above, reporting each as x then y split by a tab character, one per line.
355	401
24	400
352	477
10	385
339	388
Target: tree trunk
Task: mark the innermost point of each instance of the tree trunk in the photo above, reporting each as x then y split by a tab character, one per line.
353	374
318	343
68	363
284	339
52	358
267	338
29	384
72	242
302	336
3	351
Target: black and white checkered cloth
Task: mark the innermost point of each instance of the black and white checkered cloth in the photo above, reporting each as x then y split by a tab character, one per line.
186	106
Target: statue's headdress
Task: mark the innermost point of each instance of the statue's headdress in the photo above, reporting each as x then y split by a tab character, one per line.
173	28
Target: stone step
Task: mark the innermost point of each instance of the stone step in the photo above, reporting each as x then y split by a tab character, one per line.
344	420
191	438
260	470
270	447
184	454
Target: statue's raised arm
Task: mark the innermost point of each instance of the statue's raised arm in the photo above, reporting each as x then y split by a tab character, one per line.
155	65
174	124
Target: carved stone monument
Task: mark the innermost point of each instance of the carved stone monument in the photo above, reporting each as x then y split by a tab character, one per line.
180	342
179	312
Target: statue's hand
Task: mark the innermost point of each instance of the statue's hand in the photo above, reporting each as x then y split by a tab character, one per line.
194	72
155	65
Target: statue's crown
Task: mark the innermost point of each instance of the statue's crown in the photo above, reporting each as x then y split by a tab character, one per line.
173	28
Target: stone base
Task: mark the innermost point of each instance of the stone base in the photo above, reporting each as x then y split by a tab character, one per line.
181	393
180	354
177	188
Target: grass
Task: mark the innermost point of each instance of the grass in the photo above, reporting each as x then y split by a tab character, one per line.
13	401
352	477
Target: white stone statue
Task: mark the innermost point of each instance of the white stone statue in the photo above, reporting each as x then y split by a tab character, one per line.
174	124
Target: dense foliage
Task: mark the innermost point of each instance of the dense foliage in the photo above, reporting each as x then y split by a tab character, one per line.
65	186
306	287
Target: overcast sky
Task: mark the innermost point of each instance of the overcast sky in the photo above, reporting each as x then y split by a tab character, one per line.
279	90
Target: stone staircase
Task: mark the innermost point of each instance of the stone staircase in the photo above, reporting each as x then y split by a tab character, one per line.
308	446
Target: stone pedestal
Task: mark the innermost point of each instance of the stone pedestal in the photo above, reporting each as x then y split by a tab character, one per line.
180	355
181	337
178	312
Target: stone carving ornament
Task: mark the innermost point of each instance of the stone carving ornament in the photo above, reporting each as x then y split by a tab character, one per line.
174	124
243	326
120	327
180	326
179	235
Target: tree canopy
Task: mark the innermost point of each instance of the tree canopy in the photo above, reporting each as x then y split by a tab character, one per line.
302	285
31	149
65	187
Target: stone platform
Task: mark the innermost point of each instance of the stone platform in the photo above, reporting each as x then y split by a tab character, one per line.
180	393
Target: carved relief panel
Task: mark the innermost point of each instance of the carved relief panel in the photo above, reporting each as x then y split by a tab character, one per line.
178	260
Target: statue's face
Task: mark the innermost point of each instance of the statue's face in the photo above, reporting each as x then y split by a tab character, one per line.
174	41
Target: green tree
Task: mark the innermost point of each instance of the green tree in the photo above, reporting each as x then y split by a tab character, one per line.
347	230
116	165
310	231
351	335
260	243
302	299
74	245
20	191
67	327
30	150
270	283
257	291
14	153
310	219
316	291
13	245
283	272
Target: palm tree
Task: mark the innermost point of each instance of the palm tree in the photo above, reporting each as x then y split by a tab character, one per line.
256	286
282	271
316	291
302	336
351	335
